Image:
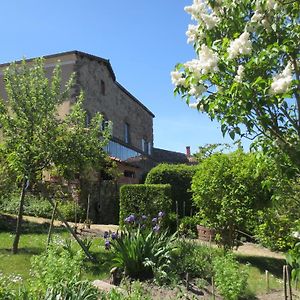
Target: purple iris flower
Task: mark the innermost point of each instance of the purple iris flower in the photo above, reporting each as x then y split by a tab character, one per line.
161	214
156	228
154	220
114	236
144	217
131	218
106	234
107	245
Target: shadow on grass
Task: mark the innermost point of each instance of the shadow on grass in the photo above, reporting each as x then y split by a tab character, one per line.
8	224
27	251
273	265
103	265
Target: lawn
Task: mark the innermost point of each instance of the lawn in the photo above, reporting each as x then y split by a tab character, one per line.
33	242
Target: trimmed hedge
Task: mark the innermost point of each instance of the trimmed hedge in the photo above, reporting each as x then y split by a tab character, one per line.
180	179
144	199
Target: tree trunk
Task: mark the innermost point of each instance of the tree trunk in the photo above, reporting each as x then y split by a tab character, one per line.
19	219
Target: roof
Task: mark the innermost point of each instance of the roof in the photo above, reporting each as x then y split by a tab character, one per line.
166	156
96	58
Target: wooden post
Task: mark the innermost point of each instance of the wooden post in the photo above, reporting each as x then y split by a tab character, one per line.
88	212
284	283
51	224
289	283
177	217
187	278
213	288
267	281
72	232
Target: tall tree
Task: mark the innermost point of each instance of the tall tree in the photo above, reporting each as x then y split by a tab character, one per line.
247	69
34	136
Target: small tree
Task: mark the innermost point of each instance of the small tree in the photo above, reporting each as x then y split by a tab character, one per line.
35	138
228	189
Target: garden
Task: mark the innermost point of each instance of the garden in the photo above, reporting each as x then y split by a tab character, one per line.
246	76
154	252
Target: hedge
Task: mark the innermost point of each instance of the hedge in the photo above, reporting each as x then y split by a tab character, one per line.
180	179
144	199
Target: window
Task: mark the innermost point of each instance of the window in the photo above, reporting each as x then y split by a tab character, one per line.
129	174
102	87
149	148
87	119
145	146
126	133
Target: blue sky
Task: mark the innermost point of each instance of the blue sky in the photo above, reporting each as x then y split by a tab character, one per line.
143	40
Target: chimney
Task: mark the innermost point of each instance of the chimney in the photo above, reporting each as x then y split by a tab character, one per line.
188	151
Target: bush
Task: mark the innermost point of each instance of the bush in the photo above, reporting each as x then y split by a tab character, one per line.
277	224
188	227
228	190
275	230
148	198
230	279
55	266
195	259
40	207
180	179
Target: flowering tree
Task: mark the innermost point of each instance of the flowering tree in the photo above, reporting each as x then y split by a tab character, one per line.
247	71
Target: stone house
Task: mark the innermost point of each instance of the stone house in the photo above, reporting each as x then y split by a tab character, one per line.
131	144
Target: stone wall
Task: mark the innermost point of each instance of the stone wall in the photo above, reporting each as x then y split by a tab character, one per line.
115	103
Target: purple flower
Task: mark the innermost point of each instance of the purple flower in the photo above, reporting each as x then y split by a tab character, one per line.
106	234
154	220
144	217
131	218
161	214
107	245
114	236
156	228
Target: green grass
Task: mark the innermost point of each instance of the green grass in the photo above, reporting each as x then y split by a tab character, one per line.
257	265
33	242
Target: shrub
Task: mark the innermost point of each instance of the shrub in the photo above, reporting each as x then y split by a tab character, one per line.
275	230
40	207
188	227
54	267
148	198
229	190
73	290
293	259
277	224
230	279
180	179
194	259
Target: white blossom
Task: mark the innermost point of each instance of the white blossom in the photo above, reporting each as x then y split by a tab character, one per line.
197	90
202	12
271	4
257	17
207	62
210	20
240	46
195	106
240	73
282	81
194	34
177	78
